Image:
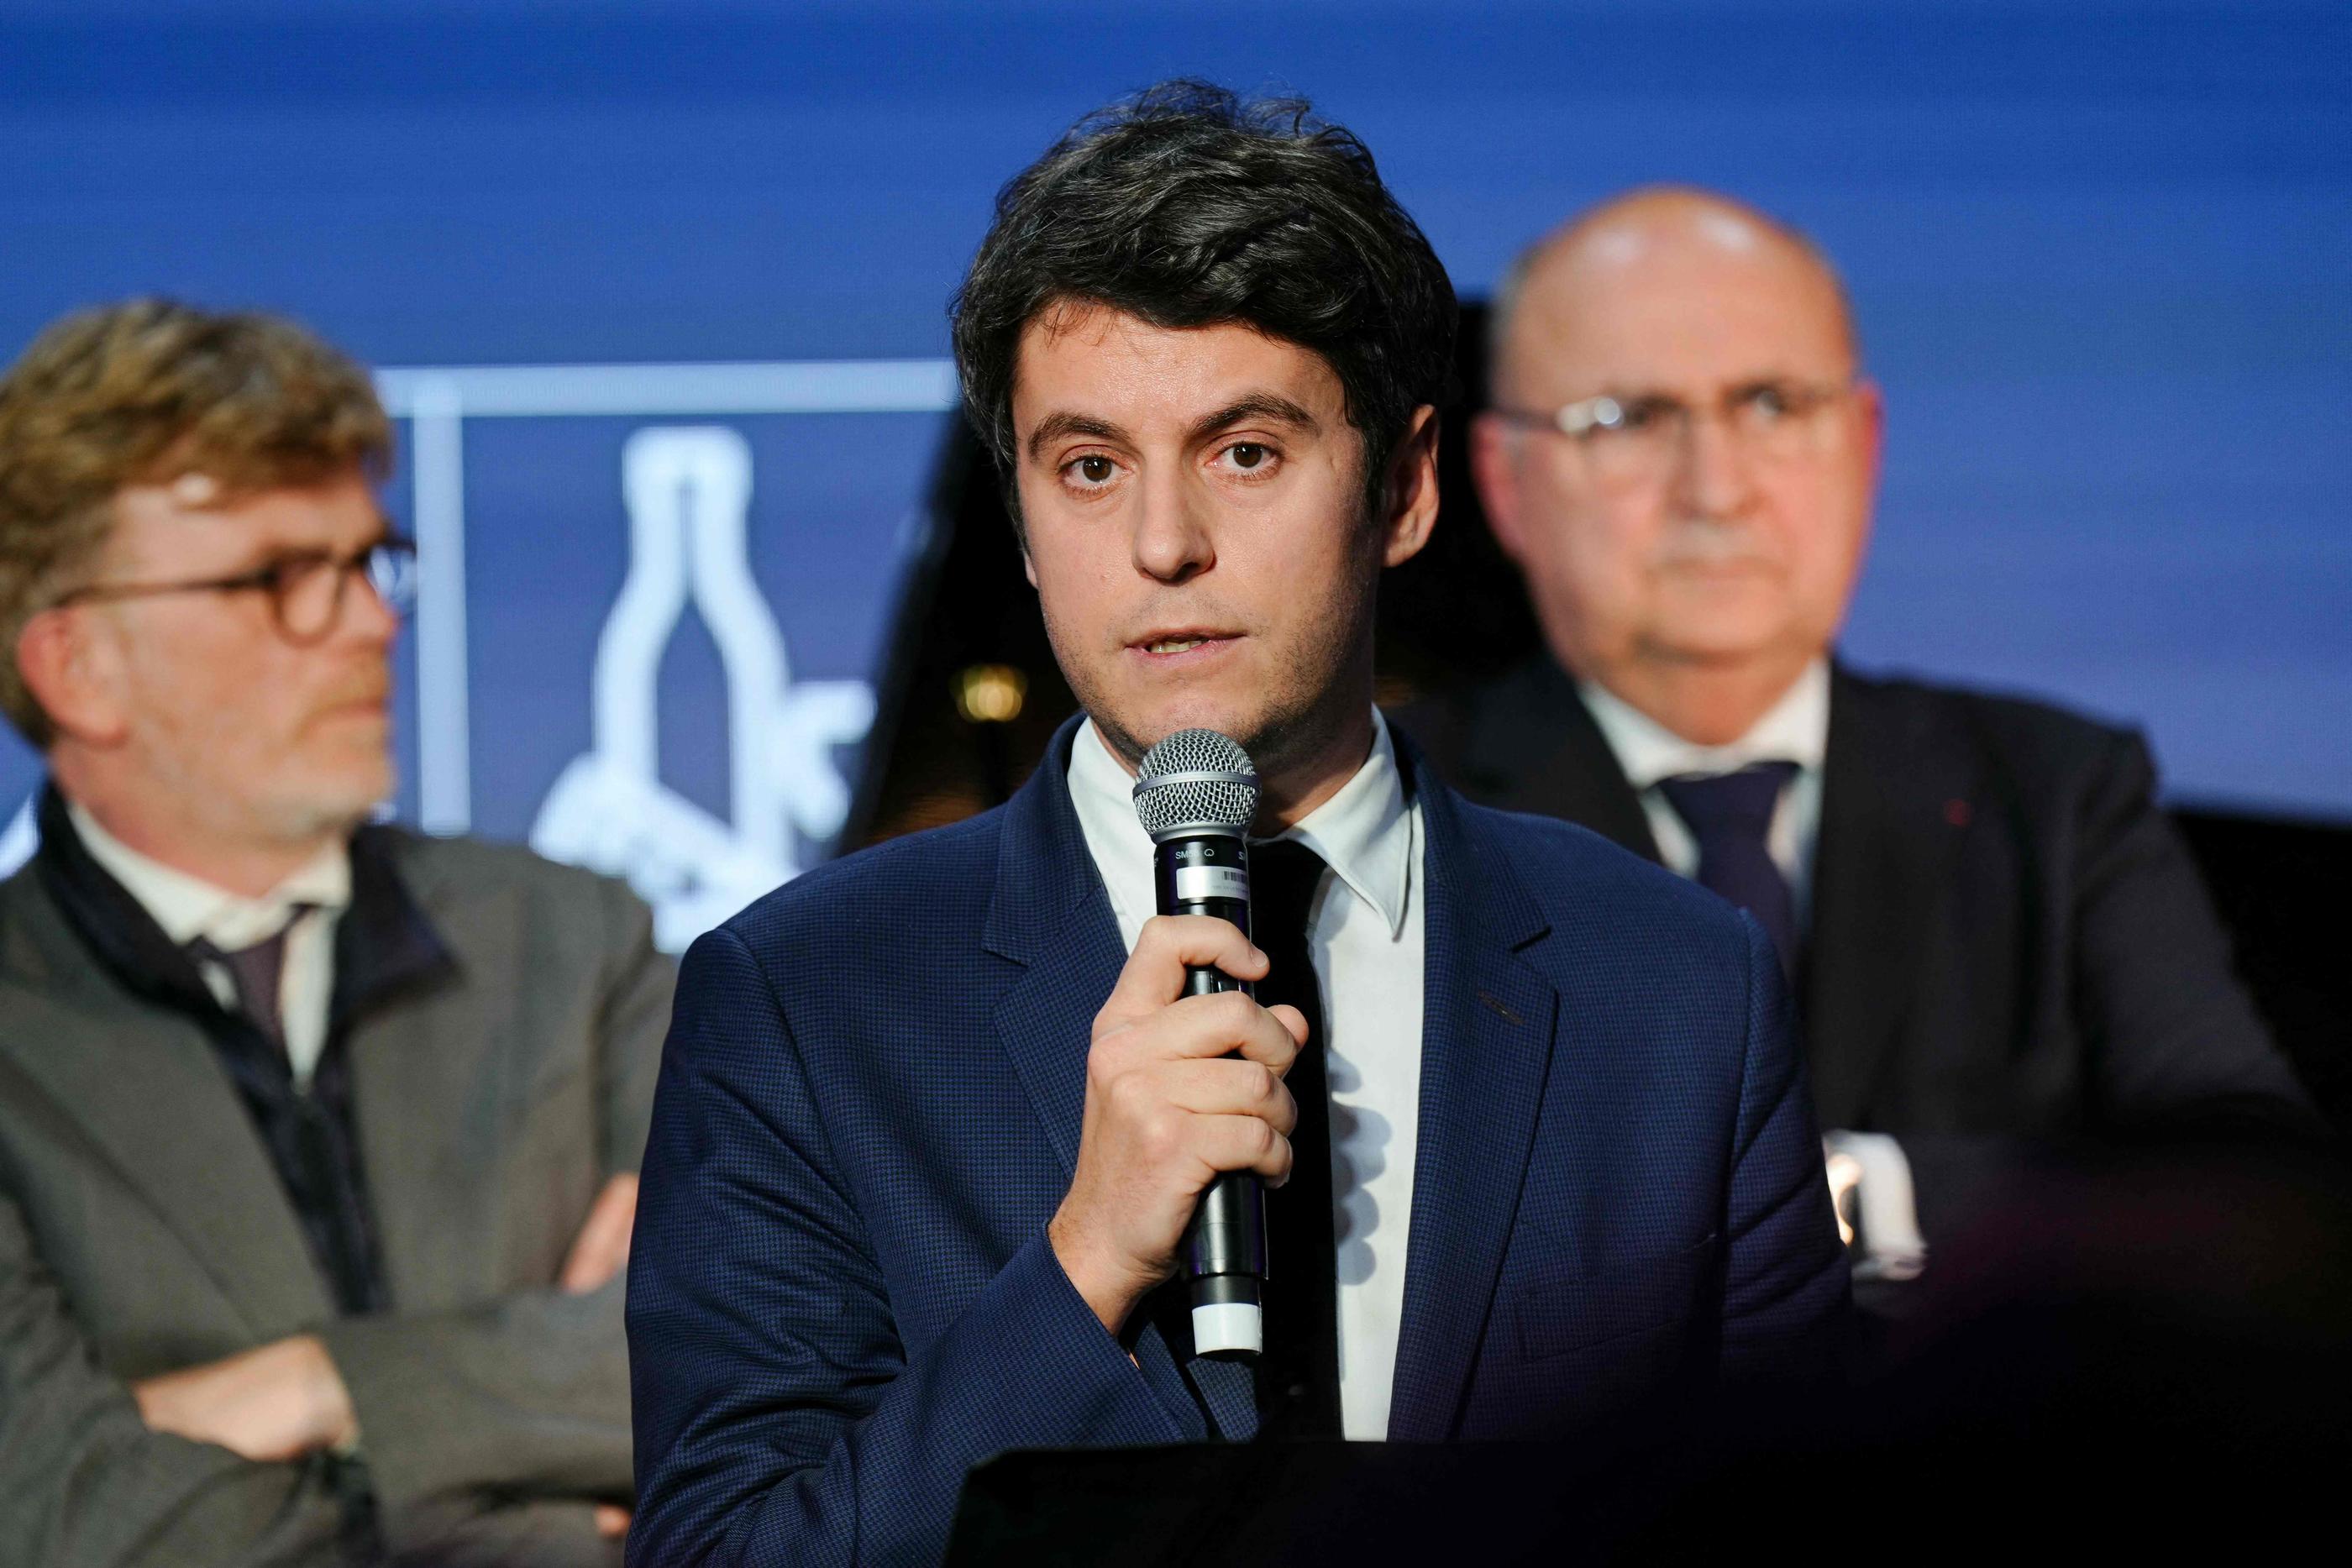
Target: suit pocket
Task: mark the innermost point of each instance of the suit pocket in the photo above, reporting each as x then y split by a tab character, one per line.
1641	1296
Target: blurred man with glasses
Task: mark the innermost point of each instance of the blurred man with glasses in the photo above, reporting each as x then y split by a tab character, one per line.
316	1138
1995	934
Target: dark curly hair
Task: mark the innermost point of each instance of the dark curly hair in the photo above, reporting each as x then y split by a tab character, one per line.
1186	206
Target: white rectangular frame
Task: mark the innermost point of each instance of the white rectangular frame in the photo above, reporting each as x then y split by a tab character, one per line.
437	400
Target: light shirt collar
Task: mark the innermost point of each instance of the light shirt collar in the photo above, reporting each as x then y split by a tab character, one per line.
1364	832
1794	729
187	907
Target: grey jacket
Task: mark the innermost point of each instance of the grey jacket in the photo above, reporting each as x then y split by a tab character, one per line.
143	1229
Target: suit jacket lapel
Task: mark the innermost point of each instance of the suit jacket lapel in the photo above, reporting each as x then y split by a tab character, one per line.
1535	748
1893	805
385	942
424	1072
149	1090
1051	915
1486	1047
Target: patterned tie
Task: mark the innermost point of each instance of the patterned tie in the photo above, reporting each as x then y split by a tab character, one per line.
1730	815
257	974
1299	1374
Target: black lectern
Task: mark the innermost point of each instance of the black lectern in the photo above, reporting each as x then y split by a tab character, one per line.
1361	1503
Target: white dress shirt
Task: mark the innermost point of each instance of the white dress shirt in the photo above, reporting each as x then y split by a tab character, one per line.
1794	729
1364	933
187	907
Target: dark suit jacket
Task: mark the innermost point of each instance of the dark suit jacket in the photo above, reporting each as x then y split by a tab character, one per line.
501	1034
2007	936
842	1295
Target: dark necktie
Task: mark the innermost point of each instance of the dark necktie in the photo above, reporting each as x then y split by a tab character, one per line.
257	974
1730	815
1299	1374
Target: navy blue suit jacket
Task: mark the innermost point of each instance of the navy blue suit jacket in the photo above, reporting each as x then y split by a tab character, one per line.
841	1295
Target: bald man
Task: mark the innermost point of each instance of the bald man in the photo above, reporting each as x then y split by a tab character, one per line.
1995	933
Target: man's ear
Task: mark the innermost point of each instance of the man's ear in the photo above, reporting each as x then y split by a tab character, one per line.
1870	409
1411	489
75	672
1493	470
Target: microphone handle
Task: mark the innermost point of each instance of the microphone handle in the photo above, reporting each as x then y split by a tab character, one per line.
1224	1247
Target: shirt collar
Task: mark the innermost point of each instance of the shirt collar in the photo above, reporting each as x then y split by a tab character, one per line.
1794	729
1364	832
187	907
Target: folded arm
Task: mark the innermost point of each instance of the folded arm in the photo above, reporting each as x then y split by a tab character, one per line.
2172	1043
2175	1041
525	1393
528	1393
85	1481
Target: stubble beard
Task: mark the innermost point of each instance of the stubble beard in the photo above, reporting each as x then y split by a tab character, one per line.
308	802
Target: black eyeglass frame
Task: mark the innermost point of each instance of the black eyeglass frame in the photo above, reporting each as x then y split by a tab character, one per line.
389	563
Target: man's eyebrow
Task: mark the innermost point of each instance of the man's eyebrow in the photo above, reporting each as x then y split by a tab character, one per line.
388	531
1257	405
1060	427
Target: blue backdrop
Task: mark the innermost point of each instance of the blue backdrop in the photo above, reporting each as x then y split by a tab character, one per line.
2100	257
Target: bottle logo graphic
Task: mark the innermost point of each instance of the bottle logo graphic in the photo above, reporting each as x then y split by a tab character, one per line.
688	494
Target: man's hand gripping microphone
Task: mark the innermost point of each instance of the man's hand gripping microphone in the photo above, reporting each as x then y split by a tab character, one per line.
1196	794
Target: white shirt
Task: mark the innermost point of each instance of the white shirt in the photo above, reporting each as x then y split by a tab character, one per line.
1794	729
187	907
1365	937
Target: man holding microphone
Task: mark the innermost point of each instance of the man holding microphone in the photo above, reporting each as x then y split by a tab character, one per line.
933	1120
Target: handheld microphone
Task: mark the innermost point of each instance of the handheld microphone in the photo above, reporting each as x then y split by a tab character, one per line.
1196	795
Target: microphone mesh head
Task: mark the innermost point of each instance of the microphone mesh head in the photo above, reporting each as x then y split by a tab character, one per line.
1226	799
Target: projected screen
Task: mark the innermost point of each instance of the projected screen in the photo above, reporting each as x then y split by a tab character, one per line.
658	293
